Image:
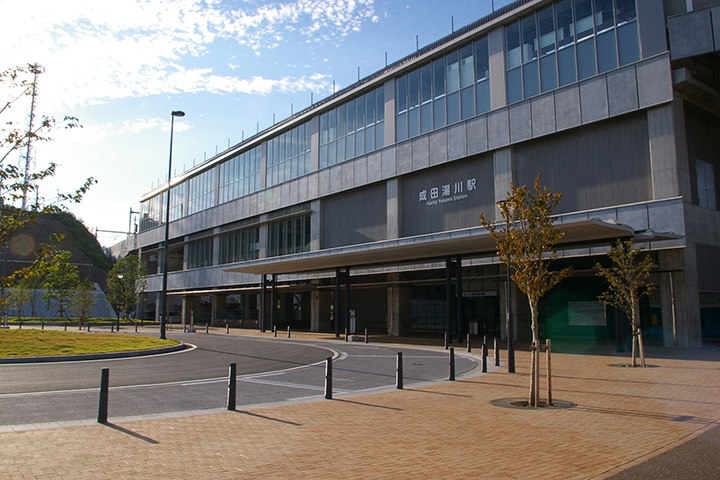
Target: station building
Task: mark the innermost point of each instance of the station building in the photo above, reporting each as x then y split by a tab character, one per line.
362	209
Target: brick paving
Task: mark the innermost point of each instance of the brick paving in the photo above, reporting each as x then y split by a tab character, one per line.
449	430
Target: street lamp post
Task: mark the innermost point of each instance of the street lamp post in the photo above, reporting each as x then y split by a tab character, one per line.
163	296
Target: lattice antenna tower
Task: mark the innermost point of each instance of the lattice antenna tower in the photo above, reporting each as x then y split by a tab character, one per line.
36	69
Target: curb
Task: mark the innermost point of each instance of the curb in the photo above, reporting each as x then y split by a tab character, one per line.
94	356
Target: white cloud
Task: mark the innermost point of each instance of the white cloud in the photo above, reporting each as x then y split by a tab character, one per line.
96	51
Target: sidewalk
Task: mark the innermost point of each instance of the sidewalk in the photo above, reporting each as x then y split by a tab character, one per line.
449	430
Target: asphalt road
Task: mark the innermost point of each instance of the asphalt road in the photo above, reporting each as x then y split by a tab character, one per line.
270	370
691	460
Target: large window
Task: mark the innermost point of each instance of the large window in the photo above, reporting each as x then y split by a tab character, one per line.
200	253
177	202
151	211
289	155
568	41
428	309
201	192
443	92
352	129
239	176
290	235
239	245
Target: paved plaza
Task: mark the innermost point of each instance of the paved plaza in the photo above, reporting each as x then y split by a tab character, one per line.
621	417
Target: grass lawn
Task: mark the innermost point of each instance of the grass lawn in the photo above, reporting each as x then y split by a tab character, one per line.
41	343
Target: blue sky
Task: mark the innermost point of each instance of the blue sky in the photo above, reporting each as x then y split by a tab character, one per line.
122	66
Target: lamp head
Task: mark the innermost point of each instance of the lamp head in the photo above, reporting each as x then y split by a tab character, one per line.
177	113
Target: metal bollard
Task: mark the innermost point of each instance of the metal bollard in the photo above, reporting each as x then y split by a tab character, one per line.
104	387
66	326
469	347
274	332
232	387
135	327
328	378
446	343
399	372
496	352
288	331
207	327
346	334
42	325
227	328
549	373
484	357
367	339
452	364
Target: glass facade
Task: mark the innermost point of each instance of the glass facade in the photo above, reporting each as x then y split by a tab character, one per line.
428	308
352	129
568	41
201	192
199	253
288	155
443	92
239	245
239	176
151	212
561	43
177	202
291	235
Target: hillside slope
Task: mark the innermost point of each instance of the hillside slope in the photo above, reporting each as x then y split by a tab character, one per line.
87	253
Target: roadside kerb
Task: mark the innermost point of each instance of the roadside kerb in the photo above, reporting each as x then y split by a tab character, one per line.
95	356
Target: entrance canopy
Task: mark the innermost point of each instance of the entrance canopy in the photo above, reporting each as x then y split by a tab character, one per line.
472	242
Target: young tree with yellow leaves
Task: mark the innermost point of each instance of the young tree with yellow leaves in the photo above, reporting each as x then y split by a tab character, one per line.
526	242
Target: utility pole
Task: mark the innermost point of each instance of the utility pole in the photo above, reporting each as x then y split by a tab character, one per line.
36	69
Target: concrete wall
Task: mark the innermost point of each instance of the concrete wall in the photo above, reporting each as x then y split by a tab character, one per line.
448	198
615	93
357	216
694	33
594	166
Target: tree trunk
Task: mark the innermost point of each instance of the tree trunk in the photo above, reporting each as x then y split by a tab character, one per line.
535	358
637	329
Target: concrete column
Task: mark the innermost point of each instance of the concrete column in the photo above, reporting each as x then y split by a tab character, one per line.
399	308
189	303
503	310
668	151
496	53
263	237
503	173
315	225
218	304
393	208
390	112
686	298
651	23
315	143
320	311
